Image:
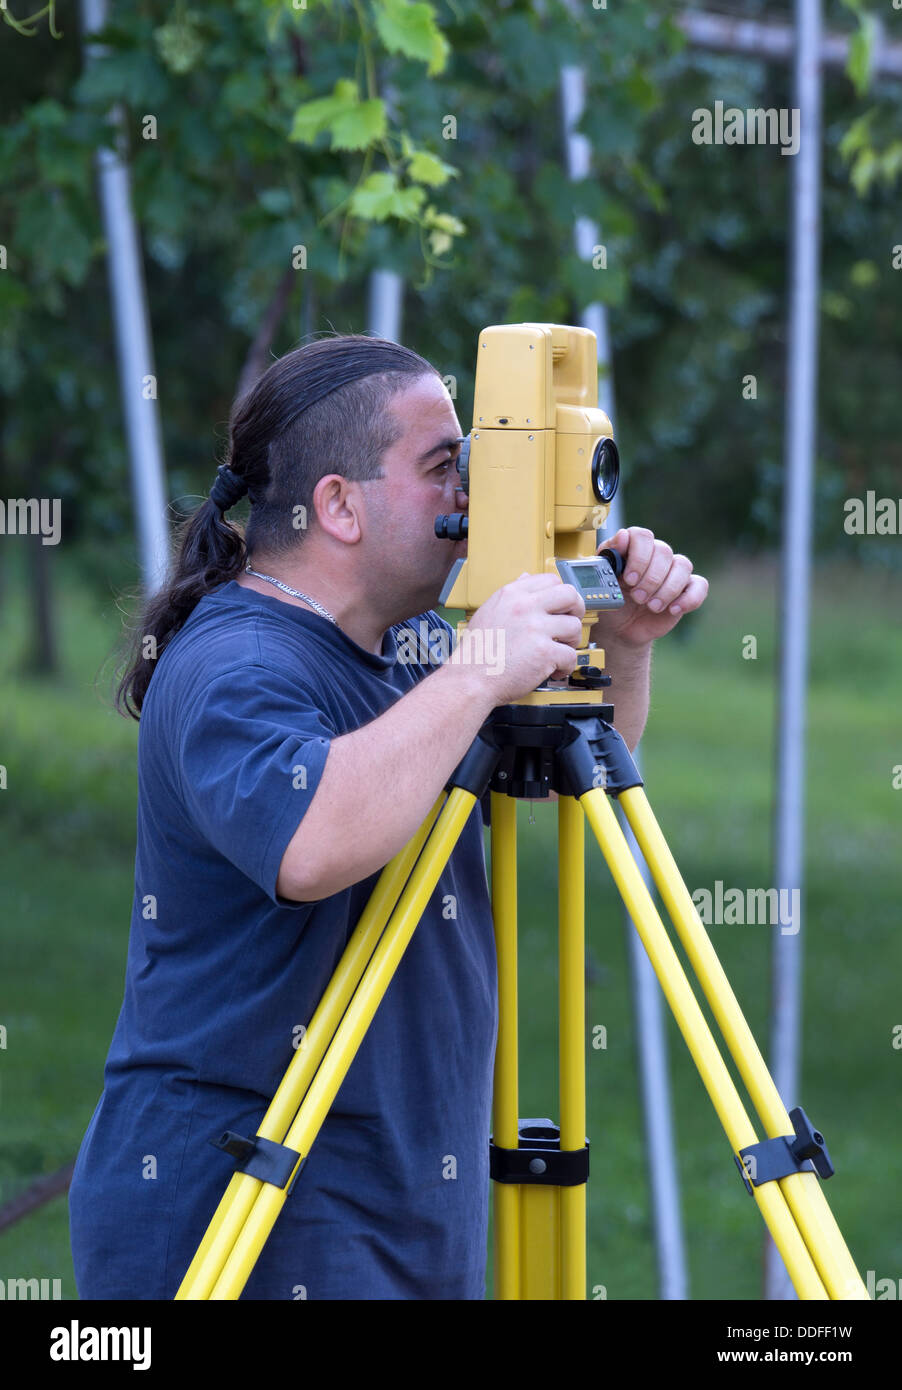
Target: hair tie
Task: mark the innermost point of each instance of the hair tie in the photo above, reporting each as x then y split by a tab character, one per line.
228	488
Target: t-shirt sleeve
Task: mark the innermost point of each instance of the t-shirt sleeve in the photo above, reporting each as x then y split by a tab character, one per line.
484	803
252	749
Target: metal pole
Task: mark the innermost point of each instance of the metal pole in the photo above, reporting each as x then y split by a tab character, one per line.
651	1038
137	379
386	301
800	439
774	41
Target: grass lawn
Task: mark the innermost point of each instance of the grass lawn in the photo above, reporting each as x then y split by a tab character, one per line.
67	881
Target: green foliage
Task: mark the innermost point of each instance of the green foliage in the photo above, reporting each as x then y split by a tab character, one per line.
352	123
861	53
379	197
330	128
870	145
410	27
181	41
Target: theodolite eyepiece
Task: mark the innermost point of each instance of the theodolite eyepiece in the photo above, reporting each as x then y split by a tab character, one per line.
453	527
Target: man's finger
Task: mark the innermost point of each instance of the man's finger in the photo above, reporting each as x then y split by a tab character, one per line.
692	597
639	554
672	585
538	581
564	599
619	541
654	574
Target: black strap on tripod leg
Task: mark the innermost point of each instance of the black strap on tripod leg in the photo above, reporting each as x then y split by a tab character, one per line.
261	1158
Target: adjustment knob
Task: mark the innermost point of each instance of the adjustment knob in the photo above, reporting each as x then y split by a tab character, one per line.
453	527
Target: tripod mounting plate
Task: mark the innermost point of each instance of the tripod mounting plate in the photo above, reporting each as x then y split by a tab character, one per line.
564	748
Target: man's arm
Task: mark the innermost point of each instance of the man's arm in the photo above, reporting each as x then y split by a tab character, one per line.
380	781
658	588
630	672
629	691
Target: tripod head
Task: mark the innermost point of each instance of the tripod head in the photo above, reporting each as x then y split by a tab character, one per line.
540	468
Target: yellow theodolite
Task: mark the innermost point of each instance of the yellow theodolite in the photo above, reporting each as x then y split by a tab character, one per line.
540	468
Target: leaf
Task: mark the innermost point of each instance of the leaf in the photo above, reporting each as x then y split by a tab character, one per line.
312	117
836	306
861	52
864	274
444	222
46	115
356	127
50	233
129	75
428	168
857	136
379	197
891	162
411	29
180	43
354	124
439	243
864	171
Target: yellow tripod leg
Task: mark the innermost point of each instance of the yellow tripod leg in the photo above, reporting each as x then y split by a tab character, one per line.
572	1025
691	1022
505	1102
803	1191
348	1037
242	1190
540	1228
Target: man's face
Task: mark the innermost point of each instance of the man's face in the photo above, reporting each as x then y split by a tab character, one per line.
409	563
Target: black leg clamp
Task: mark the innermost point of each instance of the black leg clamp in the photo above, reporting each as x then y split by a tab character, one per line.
261	1158
806	1152
596	756
539	1158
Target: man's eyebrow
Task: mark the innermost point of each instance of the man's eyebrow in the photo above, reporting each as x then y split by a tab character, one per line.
441	448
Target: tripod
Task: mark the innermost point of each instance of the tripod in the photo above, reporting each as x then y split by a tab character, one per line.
563	741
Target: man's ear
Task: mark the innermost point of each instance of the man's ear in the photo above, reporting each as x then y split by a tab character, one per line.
336	504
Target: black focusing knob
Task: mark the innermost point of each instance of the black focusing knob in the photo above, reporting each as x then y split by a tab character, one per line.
453	527
614	559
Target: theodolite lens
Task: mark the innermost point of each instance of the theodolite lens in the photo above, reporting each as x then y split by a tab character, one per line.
605	470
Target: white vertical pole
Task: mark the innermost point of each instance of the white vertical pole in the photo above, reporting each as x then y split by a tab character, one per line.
651	1038
132	330
385	304
800	443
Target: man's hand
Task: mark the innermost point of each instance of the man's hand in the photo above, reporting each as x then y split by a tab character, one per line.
537	623
658	588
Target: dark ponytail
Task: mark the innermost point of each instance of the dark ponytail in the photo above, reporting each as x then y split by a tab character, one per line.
322	401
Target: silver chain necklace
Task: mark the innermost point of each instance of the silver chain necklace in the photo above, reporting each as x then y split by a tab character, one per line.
295	593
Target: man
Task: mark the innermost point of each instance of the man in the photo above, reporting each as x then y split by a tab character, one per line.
286	755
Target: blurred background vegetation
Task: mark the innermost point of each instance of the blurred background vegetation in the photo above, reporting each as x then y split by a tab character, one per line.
323	127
